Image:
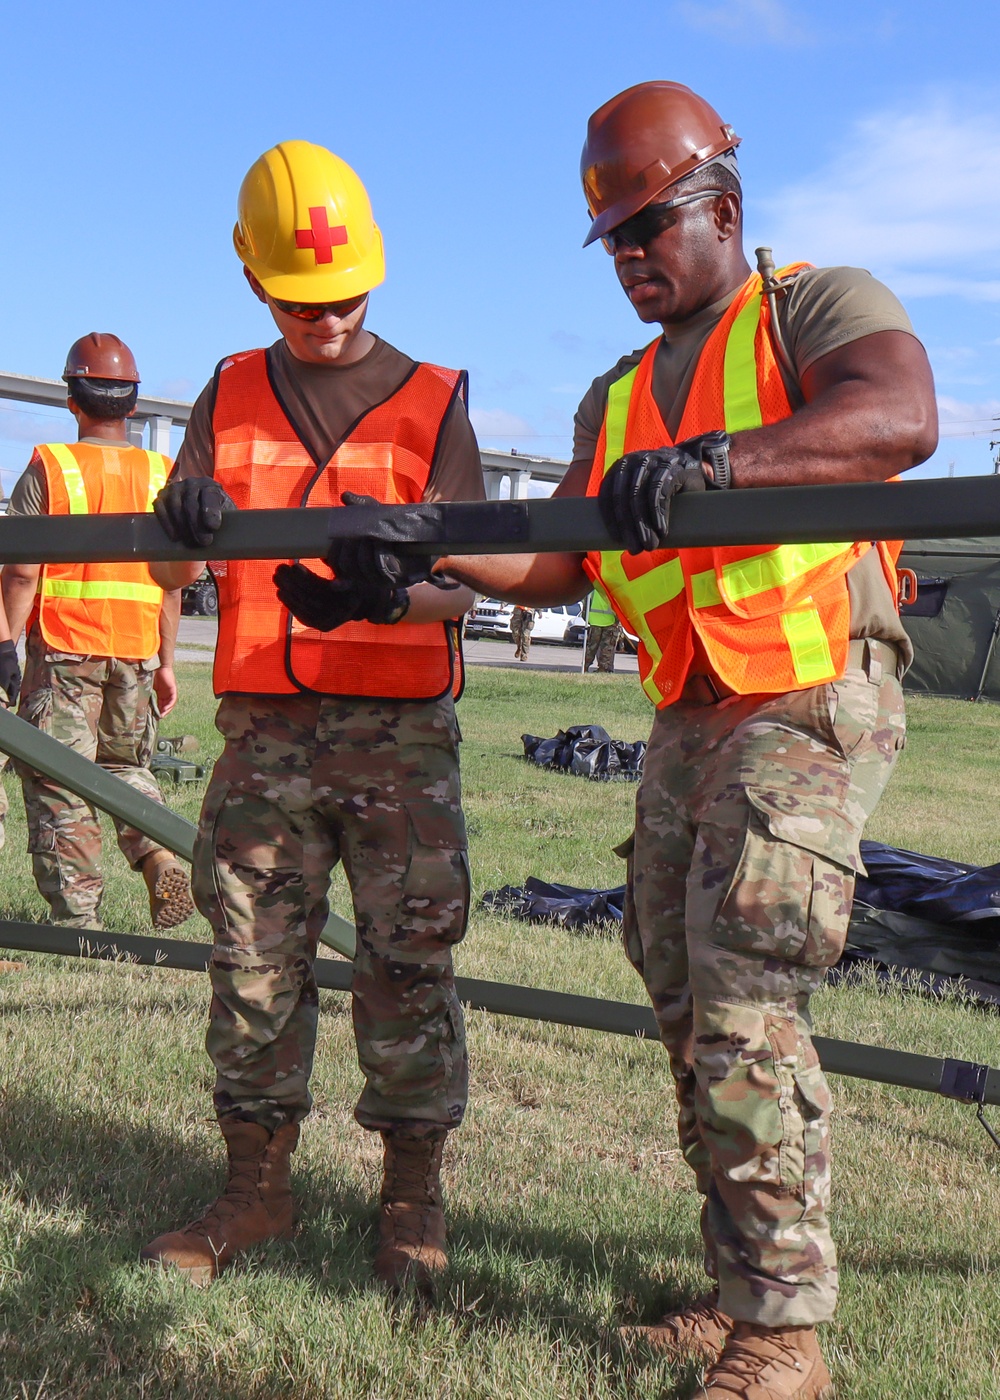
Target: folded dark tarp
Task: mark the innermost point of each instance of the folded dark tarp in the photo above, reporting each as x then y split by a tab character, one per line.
962	943
944	891
539	902
588	751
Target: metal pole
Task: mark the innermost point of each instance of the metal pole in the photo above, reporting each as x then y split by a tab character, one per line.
770	515
963	1080
160	823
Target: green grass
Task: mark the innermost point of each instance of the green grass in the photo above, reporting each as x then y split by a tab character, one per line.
570	1208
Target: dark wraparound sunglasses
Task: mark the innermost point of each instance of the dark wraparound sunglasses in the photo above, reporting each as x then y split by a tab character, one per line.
316	310
650	222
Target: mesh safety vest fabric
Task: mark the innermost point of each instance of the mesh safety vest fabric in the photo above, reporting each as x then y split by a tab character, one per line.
770	618
263	463
100	609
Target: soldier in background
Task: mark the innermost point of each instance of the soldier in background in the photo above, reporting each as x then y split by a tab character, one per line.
603	633
100	645
521	622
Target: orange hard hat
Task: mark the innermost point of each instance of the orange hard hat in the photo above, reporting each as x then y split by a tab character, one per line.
100	356
643	140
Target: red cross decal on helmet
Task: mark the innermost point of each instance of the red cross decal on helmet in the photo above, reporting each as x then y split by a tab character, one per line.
320	236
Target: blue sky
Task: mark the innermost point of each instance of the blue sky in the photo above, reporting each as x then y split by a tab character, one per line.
871	136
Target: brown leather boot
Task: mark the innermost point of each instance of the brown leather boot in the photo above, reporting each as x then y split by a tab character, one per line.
697	1332
769	1363
256	1205
411	1231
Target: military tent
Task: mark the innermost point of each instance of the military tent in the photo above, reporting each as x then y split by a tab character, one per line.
954	620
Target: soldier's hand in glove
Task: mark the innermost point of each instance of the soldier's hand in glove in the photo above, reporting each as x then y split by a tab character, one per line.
374	561
10	672
327	603
190	511
635	494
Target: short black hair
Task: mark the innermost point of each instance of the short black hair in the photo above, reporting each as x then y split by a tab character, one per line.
708	177
103	398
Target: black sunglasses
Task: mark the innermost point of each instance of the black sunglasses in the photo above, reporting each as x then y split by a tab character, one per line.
650	222
316	310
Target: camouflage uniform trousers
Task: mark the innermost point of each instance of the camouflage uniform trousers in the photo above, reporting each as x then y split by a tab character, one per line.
103	708
305	782
521	622
741	881
602	643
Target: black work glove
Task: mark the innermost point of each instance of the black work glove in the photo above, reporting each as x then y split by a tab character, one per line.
10	672
326	603
190	511
635	494
372	562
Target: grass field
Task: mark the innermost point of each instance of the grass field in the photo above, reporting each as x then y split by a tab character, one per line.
570	1208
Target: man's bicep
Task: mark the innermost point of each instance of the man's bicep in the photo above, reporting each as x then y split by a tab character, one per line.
197	452
457	471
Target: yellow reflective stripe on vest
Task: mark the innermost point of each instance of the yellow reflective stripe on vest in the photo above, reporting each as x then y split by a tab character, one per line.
72	478
808	644
616	417
101	588
761	572
157	476
740	398
639	596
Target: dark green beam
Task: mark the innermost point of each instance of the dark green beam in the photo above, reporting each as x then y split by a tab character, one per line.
111	794
959	1079
798	514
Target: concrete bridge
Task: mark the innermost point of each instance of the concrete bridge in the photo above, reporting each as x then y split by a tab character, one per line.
516	468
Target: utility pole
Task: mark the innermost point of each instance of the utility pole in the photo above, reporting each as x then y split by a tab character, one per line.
995	444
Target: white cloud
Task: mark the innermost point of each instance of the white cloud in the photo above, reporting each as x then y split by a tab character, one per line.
962	418
742	21
914	195
497	422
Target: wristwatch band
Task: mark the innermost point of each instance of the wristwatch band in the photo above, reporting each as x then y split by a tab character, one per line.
715	451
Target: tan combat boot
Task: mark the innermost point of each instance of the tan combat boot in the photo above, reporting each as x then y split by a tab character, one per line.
255	1206
769	1363
411	1229
170	901
698	1332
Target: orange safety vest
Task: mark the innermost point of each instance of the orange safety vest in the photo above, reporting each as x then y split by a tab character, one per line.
263	463
100	609
770	618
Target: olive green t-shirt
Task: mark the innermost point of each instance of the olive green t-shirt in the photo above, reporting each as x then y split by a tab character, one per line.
326	400
823	309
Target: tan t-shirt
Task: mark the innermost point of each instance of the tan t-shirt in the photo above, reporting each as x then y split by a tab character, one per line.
324	401
824	308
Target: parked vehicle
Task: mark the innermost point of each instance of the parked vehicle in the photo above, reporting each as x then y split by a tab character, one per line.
556	625
489	618
199	599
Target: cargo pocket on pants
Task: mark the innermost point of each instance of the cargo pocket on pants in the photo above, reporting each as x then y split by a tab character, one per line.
631	942
791	890
804	1106
437	889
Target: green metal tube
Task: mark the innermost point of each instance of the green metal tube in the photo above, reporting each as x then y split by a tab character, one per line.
871	1062
160	823
770	515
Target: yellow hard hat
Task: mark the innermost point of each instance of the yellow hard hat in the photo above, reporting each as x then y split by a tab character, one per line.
305	227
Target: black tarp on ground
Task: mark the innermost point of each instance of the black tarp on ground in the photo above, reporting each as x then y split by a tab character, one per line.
935	919
588	751
953	622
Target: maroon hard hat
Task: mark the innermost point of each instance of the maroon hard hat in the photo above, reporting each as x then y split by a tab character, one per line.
100	356
640	142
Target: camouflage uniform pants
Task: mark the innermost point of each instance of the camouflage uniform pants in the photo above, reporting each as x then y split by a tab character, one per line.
305	782
103	708
748	819
521	622
602	643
